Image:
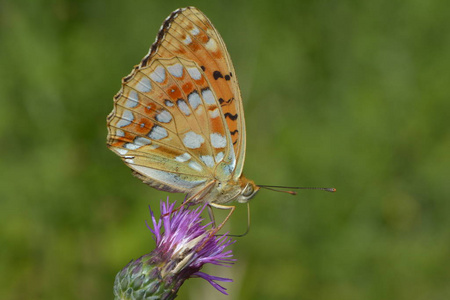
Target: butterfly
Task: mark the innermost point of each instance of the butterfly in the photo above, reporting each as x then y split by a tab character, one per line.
178	120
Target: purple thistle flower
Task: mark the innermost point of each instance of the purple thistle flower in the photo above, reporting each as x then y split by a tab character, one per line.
183	246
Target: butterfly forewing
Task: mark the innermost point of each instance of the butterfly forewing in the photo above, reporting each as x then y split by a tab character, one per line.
191	35
178	120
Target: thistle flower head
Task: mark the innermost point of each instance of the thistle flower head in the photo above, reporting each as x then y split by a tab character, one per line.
183	246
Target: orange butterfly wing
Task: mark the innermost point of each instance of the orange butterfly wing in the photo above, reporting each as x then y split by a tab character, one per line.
178	120
191	35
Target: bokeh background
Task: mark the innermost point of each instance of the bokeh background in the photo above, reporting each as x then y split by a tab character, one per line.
346	94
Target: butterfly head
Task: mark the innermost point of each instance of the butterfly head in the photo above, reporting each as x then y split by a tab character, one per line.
248	190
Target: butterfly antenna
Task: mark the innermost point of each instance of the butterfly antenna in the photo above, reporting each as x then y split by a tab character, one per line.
276	188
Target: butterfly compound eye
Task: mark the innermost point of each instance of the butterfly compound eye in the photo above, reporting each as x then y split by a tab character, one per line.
248	191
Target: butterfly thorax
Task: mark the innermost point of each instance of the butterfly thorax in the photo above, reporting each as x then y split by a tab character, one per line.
223	192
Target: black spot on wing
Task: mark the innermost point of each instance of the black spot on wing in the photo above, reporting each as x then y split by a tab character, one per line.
203	68
230	116
223	102
234	132
217	75
227	77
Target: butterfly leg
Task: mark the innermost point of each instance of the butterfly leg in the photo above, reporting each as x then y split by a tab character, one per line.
248	223
194	198
218	206
211	215
215	229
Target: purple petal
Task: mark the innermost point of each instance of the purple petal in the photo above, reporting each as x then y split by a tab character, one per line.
211	279
174	233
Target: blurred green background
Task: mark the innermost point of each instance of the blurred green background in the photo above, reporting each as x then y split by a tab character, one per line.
345	94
